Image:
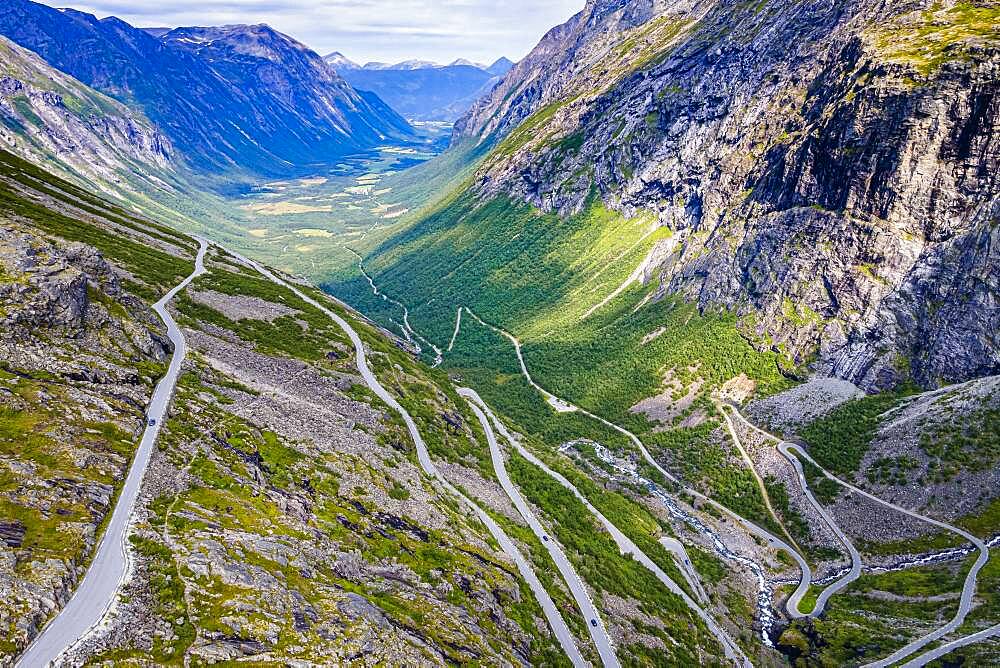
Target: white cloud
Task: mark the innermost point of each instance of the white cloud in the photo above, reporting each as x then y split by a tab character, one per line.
386	30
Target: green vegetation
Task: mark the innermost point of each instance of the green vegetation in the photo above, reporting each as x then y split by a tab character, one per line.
168	596
284	335
646	45
35	437
891	470
840	439
596	558
235	461
928	39
792	519
916	582
528	129
968	444
543	277
538	275
876	615
223	496
800	315
825	490
517	264
808	603
709	567
704	463
984	523
130	248
931	543
307	334
603	364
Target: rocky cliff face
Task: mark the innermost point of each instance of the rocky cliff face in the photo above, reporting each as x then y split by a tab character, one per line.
47	116
830	170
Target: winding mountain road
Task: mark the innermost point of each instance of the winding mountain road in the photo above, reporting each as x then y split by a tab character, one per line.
762	488
969	587
588	610
411	335
789	451
855	572
97	593
770	539
625	545
552	615
684	562
792	605
947	648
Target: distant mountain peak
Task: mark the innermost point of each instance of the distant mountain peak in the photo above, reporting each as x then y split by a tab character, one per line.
414	64
467	63
339	61
501	66
258	41
424	90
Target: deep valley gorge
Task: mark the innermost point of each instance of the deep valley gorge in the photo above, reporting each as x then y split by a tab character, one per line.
673	343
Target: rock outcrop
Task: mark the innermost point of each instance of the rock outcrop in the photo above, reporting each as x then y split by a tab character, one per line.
283	519
72	398
50	118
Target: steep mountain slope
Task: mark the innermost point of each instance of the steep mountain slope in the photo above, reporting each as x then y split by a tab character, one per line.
827	171
837	179
930	451
102	146
47	116
688	205
340	62
219	124
422	90
71	401
294	85
284	517
501	66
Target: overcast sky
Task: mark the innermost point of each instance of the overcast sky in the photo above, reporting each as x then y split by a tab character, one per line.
365	30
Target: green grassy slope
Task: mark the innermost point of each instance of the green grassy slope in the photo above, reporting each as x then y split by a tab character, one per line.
242	473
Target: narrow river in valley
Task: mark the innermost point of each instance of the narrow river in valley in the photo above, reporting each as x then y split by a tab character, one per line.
790	451
968	588
765	594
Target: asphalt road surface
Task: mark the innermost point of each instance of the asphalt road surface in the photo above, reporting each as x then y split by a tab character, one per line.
968	589
627	547
555	620
587	608
99	588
